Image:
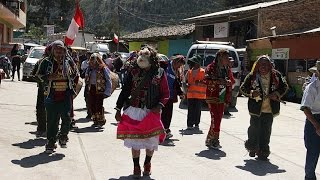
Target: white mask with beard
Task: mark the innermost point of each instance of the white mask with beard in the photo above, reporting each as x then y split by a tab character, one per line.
143	60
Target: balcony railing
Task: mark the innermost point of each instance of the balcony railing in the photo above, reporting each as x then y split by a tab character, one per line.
12	5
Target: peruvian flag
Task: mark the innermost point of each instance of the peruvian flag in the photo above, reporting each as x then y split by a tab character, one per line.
115	38
76	23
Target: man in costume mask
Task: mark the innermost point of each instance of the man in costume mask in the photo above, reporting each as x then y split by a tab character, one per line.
265	87
145	92
58	72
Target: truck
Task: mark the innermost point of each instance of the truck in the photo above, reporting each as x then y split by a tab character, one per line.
99	48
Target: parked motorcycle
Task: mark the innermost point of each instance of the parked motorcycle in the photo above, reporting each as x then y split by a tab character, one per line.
5	64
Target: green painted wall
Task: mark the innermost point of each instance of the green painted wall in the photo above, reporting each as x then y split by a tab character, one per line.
163	47
254	53
135	46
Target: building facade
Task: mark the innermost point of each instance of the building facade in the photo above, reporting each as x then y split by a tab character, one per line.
12	16
238	25
168	40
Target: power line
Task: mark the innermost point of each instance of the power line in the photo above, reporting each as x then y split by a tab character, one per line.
134	15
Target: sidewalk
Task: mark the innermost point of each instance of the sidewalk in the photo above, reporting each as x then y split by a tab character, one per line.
93	154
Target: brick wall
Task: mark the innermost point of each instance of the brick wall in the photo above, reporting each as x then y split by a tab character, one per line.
290	17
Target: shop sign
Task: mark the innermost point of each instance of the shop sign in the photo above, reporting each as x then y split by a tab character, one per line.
280	53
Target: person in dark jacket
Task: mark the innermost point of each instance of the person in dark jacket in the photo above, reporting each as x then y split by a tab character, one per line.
16	61
40	107
174	84
265	87
57	73
118	64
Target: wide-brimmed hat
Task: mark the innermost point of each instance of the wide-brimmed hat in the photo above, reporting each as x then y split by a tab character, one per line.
315	68
196	59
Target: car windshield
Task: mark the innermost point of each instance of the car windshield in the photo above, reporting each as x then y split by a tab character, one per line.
36	53
208	56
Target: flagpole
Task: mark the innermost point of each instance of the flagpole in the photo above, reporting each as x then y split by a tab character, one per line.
118	45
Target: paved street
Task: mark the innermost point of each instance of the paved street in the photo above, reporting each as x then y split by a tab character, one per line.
93	154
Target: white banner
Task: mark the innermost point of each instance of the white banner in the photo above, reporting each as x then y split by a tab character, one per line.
50	30
221	30
280	53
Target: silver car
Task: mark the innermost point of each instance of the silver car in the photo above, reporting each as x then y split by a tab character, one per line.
33	57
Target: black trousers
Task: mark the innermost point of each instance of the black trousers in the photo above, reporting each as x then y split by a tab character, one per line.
86	98
259	132
40	110
166	115
194	112
16	67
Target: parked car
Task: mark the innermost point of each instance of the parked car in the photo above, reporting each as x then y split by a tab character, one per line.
207	50
35	54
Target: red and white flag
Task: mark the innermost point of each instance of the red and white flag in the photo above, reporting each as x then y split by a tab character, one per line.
76	23
115	38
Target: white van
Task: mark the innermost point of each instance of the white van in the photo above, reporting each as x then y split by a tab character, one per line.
207	50
100	48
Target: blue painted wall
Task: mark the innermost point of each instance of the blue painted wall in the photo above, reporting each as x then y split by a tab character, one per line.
179	46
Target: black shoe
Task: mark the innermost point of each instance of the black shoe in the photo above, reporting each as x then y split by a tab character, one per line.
63	139
50	147
41	134
262	158
95	124
88	117
227	113
73	125
169	135
215	144
252	154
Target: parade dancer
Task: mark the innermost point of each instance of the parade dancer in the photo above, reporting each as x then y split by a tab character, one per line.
40	107
57	72
219	80
99	87
265	87
174	83
140	124
83	70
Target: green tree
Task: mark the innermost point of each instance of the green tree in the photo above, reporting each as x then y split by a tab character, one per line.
35	33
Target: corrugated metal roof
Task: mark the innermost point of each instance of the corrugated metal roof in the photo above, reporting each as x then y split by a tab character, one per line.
241	9
170	31
313	30
316	30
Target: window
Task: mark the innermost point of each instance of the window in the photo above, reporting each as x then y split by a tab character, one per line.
8	35
208	31
208	55
36	53
297	65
